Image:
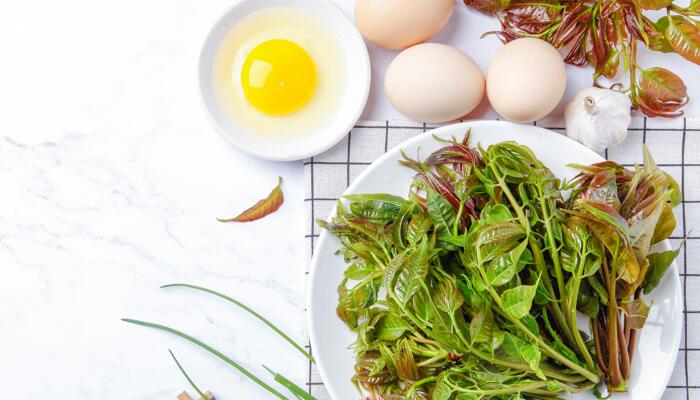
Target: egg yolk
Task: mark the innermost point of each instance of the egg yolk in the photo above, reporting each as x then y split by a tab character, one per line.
278	77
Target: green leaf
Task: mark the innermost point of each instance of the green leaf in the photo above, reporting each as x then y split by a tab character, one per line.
396	229
597	286
392	269
498	238
591	266
447	297
519	349
346	314
542	295
379	199
422	307
658	41
467	396
461	189
512	346
390	327
441	391
440	211
531	354
375	230
496	213
501	270
684	37
666	225
504	267
482	326
358	271
518	300
605	214
558	344
587	303
457	240
499	232
471	296
413	273
531	323
363	296
378	366
417	228
658	265
388	357
442	333
354	300
496	340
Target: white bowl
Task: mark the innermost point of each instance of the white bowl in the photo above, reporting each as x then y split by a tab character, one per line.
353	96
331	340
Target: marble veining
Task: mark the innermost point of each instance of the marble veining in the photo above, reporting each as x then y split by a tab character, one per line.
110	188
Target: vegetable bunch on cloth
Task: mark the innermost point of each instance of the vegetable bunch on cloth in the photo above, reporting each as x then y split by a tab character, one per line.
470	287
606	34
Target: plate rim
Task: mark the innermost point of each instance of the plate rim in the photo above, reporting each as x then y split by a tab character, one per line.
325	237
279	154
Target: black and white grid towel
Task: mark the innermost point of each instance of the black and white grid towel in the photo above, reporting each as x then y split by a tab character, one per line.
674	143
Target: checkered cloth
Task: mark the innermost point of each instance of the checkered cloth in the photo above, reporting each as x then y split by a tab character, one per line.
674	143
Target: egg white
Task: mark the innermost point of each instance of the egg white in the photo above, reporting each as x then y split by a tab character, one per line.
300	28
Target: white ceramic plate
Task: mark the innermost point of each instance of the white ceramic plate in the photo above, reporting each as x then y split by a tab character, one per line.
357	77
658	343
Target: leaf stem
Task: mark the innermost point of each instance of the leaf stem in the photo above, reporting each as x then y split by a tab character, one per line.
291	386
191	382
537	254
572	314
249	310
555	305
211	350
553	251
524	387
548	350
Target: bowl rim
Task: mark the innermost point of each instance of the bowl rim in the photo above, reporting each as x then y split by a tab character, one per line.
325	236
326	140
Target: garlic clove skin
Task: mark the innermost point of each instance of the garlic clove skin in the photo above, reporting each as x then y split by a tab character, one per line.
598	117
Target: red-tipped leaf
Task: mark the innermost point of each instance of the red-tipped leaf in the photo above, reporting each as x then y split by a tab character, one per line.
262	208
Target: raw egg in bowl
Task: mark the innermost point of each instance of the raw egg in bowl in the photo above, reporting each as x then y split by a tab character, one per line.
284	79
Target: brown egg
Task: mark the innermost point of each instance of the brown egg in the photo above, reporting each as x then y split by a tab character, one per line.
432	82
526	80
397	24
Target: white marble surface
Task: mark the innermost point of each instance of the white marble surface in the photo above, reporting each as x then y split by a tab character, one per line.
111	181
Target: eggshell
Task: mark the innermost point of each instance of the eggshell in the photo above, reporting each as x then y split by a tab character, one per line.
433	82
526	80
397	24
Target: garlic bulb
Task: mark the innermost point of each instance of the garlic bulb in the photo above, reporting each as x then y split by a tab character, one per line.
598	118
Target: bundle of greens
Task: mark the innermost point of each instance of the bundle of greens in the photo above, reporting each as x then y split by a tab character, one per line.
605	34
470	287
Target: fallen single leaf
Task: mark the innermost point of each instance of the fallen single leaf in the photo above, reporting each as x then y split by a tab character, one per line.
262	208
